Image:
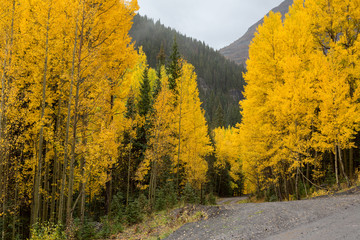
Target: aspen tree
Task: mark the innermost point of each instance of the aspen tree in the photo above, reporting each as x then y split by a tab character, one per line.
294	100
69	103
192	131
227	151
335	26
256	129
104	33
44	22
9	13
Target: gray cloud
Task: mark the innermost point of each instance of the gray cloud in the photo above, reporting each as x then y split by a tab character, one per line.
216	22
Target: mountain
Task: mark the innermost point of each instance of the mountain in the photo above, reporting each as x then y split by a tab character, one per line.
238	51
220	80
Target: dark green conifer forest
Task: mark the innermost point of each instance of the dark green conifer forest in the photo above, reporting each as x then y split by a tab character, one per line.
220	80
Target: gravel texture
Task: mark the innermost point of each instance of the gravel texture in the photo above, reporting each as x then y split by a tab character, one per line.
331	217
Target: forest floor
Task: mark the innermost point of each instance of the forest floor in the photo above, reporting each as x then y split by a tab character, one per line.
334	216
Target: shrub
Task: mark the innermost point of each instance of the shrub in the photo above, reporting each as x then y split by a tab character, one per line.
86	230
189	195
211	199
144	203
170	196
133	212
47	231
160	202
118	205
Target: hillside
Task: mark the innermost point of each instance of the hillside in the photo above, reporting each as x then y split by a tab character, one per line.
220	80
238	51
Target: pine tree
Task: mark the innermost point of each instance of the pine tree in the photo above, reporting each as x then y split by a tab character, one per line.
144	103
161	144
174	67
160	63
160	58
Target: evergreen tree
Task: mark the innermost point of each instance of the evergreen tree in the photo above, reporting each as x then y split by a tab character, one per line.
218	120
145	108
160	63
130	106
160	60
174	68
144	103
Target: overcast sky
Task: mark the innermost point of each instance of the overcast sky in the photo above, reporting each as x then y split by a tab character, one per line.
217	22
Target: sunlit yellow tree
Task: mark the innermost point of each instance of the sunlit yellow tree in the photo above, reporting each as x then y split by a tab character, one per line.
227	152
194	142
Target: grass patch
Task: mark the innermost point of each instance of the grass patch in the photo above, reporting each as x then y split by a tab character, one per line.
243	201
161	224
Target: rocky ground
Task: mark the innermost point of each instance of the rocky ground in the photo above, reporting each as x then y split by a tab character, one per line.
331	217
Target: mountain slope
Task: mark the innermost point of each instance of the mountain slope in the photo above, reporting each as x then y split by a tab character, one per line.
220	80
238	51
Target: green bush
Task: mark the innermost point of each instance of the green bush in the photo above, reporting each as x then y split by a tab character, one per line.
270	195
108	228
170	196
189	195
118	206
160	201
47	231
86	230
210	199
105	229
144	203
133	213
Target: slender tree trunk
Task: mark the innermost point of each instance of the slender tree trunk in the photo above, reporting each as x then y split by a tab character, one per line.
336	167
46	191
278	189
351	163
73	145
219	187
109	183
82	191
72	161
83	177
303	181
129	166
346	162
108	192
286	188
36	211
152	185
179	143
307	171
54	185
83	201
63	179
296	184
15	214
153	174
5	195
342	167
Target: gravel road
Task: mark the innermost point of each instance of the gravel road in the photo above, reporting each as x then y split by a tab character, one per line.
333	217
